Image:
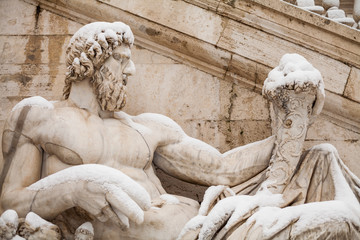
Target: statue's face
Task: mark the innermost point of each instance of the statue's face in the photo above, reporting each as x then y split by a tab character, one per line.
111	79
120	63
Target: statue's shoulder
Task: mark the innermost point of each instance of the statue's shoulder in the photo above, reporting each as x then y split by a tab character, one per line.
32	109
153	121
164	127
37	102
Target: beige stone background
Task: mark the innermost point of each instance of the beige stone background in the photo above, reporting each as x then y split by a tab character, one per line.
221	111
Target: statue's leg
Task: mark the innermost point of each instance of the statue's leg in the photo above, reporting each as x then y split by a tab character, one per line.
163	221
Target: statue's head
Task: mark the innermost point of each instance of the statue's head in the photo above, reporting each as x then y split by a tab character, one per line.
100	52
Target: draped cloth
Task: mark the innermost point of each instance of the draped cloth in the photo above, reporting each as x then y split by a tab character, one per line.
320	180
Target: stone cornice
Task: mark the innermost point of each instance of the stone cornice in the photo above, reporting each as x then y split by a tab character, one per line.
293	24
212	45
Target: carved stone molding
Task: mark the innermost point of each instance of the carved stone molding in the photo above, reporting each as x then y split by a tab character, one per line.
222	55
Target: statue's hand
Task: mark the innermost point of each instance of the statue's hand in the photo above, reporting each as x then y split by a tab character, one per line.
104	192
228	212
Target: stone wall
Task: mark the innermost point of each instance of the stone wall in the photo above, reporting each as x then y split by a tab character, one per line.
221	111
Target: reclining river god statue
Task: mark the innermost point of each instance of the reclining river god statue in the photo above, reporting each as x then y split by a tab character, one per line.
84	160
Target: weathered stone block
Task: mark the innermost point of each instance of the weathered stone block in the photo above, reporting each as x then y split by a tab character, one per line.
248	105
192	94
238	133
52	24
17	17
196	21
267	49
352	89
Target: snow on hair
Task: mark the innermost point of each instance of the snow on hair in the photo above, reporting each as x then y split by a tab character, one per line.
90	46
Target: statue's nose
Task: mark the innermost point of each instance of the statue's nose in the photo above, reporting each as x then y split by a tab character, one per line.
129	68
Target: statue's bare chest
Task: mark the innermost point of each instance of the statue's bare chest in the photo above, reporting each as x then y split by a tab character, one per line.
82	139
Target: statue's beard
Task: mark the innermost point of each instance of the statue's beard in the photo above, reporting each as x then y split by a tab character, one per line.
109	89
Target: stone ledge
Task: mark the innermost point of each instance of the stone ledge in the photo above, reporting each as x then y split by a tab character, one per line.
293	24
225	62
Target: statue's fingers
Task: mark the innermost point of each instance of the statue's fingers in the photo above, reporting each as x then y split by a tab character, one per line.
217	217
192	228
221	212
212	225
210	196
122	221
134	190
140	196
241	213
102	217
120	201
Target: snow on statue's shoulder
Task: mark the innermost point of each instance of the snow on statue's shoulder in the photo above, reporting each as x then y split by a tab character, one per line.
293	73
34	101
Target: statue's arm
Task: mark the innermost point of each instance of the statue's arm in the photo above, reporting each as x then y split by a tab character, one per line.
195	161
23	168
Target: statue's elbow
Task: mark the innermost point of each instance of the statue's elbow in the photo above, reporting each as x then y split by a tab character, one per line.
8	201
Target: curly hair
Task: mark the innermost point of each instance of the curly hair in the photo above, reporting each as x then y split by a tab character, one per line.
90	46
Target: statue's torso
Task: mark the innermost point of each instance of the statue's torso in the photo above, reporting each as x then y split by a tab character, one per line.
71	136
77	137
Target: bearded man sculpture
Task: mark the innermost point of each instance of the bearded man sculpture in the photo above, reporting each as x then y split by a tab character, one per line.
82	159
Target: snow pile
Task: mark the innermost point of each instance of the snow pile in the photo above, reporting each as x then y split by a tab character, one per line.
35	221
169	199
118	31
293	73
34	101
122	187
10	216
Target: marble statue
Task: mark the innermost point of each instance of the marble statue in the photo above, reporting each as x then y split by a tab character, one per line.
84	160
300	195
